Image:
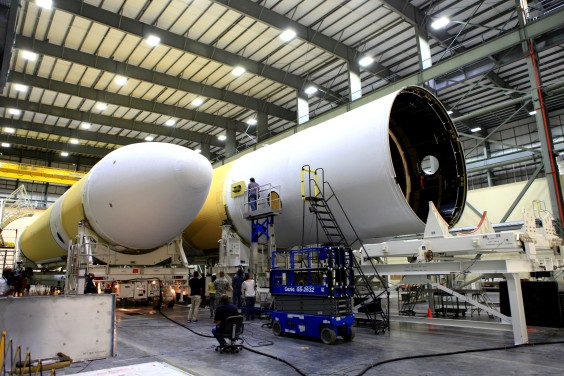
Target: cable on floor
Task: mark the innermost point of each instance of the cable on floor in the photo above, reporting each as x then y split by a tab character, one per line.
276	358
456	353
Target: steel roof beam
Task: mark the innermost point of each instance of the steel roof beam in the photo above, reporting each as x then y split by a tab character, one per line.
79	160
127	101
54	145
413	16
111	121
499	44
281	22
154	77
68	132
183	43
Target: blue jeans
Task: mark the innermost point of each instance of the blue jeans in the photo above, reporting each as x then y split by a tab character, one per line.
217	334
237	299
250	307
253	202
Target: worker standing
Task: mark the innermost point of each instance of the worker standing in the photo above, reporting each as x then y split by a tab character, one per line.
253	194
236	284
212	298
196	290
249	292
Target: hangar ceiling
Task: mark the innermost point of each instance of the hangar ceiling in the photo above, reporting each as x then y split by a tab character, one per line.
89	76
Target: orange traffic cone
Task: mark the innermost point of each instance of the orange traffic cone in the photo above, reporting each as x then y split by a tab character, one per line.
429	313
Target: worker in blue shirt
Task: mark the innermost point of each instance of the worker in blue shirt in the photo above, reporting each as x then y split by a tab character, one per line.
253	194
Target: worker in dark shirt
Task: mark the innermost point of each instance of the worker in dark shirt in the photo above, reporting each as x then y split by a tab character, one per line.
196	291
222	312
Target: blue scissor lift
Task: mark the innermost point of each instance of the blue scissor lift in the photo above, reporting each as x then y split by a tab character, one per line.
313	291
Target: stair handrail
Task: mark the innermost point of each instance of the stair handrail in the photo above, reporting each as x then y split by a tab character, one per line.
384	284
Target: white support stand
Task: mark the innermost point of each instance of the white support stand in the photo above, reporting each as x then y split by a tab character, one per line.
520	334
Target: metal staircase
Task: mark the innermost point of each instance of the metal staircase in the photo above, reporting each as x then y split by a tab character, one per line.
318	193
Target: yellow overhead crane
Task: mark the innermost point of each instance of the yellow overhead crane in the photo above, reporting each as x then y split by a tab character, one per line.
21	171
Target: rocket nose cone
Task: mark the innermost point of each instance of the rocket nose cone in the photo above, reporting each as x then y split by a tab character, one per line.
143	195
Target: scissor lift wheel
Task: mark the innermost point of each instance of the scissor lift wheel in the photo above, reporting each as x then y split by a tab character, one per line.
328	336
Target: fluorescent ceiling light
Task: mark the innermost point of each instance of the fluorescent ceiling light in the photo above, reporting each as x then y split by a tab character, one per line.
237	71
20	87
198	151
222	137
197	102
47	4
287	35
14	111
9	130
5	145
64	154
473	130
149	138
85	125
310	90
74	141
365	61
120	80
153	40
449	112
532	112
28	55
170	122
440	23
252	121
101	106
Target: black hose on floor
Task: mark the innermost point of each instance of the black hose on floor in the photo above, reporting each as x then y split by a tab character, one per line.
455	353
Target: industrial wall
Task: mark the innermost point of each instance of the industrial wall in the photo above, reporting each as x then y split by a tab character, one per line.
497	200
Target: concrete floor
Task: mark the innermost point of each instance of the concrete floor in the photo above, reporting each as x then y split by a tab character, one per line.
144	335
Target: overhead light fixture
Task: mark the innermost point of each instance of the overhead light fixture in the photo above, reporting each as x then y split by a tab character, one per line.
14	111
474	130
85	125
120	80
153	40
6	145
74	141
21	88
449	112
222	137
440	23
28	55
287	35
310	90
149	138
237	71
9	130
532	112
170	122
198	151
101	106
365	61
252	121
47	4
198	102
64	154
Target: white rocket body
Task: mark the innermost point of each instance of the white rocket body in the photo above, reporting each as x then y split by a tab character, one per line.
374	157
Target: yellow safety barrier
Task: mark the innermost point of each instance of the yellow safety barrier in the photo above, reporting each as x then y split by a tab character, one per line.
43	174
2	351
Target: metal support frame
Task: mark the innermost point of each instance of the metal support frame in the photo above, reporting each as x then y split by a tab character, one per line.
541	117
261	226
522	193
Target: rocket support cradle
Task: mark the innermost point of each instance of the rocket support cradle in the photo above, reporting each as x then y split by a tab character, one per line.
375	158
141	196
